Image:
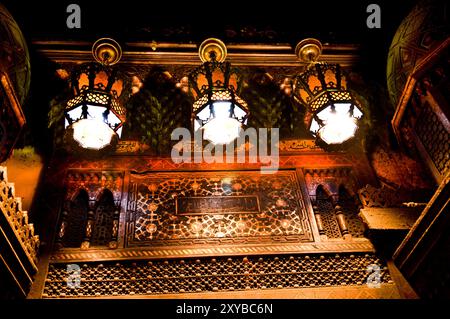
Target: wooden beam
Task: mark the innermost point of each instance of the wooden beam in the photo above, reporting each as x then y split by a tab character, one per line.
281	55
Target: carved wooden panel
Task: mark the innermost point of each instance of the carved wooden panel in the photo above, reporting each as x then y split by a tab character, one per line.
435	138
255	208
76	220
422	116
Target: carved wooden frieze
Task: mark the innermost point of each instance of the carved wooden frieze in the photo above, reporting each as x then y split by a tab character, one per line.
181	208
330	179
386	197
178	60
316	159
94	182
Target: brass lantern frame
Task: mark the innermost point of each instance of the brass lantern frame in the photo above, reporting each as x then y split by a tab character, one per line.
320	86
327	94
215	81
94	84
95	94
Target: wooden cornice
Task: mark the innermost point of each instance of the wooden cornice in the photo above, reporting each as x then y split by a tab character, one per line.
151	53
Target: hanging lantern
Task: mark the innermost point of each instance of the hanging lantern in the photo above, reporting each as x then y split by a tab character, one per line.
94	117
334	113
218	110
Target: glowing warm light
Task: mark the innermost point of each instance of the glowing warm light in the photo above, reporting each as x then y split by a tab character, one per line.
338	130
338	124
92	134
221	130
222	125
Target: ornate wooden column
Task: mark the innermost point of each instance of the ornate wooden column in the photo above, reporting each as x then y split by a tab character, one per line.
89	227
62	228
319	222
342	223
113	244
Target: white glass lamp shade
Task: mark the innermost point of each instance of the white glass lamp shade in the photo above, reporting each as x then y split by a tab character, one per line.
94	112
339	125
92	133
75	114
220	128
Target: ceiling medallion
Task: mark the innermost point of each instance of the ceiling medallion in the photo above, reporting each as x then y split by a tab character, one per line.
212	48
308	50
106	51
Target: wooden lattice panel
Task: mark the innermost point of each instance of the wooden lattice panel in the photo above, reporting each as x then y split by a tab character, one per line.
214	275
435	139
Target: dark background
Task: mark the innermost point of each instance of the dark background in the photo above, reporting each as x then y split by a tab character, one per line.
193	21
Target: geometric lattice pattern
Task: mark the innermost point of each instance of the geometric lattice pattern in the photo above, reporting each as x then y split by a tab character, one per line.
76	220
325	208
103	223
210	207
340	96
218	95
435	138
214	274
319	102
325	99
350	209
97	98
323	205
